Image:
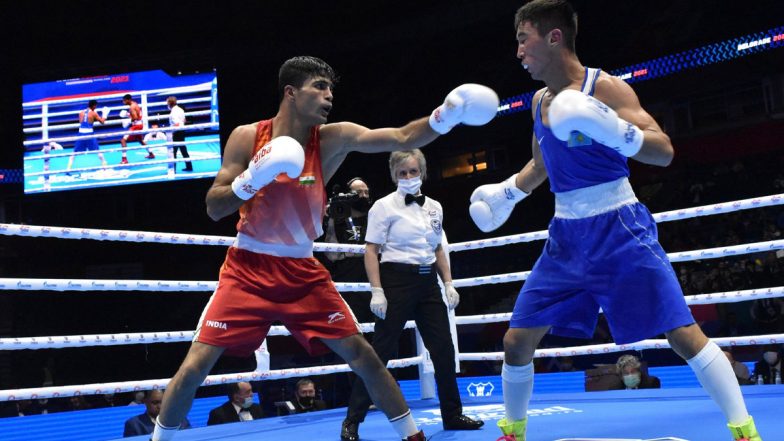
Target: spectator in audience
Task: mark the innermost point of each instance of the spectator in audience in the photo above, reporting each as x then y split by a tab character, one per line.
24	408
741	371
144	424
562	364
105	400
239	407
769	368
305	397
768	314
45	406
632	376
138	398
730	327
77	403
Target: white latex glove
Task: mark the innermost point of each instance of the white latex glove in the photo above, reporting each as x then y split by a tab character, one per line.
378	302
452	297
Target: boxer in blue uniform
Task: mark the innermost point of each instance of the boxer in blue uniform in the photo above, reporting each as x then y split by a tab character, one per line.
602	249
87	118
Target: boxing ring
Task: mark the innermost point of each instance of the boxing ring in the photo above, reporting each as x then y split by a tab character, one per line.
51	133
686	413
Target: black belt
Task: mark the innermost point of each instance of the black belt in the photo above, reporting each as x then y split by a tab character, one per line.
409	267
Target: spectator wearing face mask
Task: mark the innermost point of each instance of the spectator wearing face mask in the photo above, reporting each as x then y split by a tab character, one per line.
632	376
239	407
305	397
769	368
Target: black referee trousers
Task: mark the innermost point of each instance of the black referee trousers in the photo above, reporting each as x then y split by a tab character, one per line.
411	295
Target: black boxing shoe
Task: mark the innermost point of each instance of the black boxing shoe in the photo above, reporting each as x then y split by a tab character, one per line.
462	422
349	431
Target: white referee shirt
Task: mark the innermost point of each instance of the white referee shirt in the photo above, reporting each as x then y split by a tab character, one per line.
176	116
406	233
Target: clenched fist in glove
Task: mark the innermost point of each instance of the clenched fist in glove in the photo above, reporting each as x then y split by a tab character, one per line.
471	104
572	110
378	302
492	204
126	120
281	155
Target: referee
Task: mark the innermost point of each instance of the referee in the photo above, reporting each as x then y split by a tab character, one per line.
406	228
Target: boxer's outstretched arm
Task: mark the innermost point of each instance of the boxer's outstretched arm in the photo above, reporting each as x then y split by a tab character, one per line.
339	139
221	200
471	104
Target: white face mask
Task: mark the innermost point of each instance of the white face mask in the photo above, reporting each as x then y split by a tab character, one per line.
631	381
409	186
247	402
771	357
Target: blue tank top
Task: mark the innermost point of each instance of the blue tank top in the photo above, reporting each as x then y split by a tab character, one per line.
579	162
85	126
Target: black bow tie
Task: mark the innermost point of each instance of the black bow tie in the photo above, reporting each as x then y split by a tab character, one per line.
418	199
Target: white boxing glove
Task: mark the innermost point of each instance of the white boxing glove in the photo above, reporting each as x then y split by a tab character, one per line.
104	112
452	297
378	302
123	113
471	104
572	110
126	122
281	155
492	204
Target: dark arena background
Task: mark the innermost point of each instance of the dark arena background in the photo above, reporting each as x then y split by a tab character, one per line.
710	72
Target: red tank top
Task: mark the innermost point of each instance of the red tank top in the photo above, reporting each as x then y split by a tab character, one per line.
287	211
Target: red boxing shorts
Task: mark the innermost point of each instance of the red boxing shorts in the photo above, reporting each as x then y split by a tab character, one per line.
138	138
256	289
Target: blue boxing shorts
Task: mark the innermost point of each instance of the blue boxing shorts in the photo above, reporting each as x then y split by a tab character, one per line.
83	145
602	251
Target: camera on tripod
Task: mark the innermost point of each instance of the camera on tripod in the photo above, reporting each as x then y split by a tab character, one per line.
340	205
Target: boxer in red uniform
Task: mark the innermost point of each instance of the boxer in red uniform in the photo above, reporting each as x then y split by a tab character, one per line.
134	112
270	273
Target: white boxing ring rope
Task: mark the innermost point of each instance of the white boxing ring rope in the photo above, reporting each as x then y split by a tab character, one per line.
111	108
118	134
263	372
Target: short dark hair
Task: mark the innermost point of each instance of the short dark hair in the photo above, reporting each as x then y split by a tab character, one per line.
303	382
546	15
92	103
295	71
127	96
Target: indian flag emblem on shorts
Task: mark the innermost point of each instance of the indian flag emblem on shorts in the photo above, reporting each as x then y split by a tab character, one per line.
307	180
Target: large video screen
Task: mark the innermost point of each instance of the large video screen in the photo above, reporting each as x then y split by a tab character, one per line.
121	129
